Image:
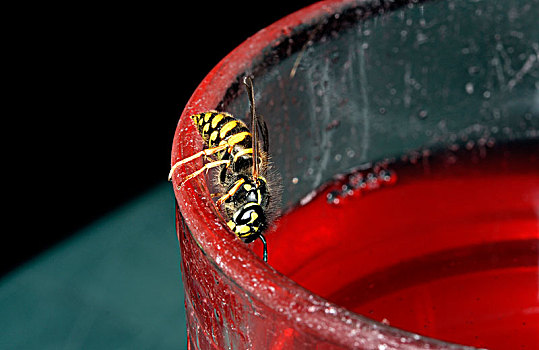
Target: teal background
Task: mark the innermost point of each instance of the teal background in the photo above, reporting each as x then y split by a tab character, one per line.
116	284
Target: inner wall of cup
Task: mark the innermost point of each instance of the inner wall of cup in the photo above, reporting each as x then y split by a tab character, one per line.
419	78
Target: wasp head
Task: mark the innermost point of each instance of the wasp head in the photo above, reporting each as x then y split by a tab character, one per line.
250	200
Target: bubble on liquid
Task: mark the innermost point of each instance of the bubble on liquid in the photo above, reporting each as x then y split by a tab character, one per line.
372	181
387	176
333	197
347	190
482	142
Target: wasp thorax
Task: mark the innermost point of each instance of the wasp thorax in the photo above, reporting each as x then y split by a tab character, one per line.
248	191
242	164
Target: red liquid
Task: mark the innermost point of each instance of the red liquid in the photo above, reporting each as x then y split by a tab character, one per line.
449	251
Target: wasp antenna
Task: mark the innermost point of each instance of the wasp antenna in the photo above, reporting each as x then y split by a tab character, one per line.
248	82
265	254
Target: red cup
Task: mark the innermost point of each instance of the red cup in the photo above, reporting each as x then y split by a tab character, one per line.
233	299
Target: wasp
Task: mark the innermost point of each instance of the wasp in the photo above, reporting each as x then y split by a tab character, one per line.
245	179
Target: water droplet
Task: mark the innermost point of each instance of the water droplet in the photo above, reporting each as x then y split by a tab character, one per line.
331	311
295	180
472	70
421	38
469	88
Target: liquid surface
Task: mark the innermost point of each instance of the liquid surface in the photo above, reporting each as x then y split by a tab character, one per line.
446	247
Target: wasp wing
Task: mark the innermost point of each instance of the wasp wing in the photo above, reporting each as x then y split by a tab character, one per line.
263	128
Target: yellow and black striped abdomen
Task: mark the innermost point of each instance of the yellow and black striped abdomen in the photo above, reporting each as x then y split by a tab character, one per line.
216	127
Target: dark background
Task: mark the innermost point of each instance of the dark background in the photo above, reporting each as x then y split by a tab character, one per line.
98	91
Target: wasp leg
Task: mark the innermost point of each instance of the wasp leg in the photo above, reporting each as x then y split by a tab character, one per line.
231	192
201	170
265	256
205	152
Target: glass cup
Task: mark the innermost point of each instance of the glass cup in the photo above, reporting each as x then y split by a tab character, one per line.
351	91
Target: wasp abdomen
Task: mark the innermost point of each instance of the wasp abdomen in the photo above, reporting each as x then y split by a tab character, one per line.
217	127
